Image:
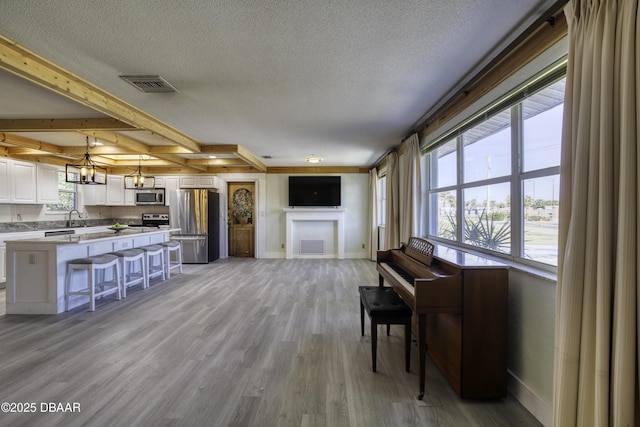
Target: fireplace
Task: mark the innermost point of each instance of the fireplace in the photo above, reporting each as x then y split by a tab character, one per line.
295	216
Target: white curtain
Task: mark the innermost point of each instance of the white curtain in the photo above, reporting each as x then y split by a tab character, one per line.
373	214
410	185
391	236
596	349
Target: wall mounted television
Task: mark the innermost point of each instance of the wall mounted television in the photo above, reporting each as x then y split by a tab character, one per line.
314	191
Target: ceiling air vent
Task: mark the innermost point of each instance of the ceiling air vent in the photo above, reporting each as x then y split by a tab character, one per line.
150	84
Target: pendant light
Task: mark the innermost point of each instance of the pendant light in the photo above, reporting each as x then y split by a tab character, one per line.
85	171
138	181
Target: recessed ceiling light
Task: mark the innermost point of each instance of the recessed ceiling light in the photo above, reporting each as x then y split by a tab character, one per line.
212	157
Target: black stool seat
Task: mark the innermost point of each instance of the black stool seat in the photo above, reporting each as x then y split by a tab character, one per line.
383	301
384	306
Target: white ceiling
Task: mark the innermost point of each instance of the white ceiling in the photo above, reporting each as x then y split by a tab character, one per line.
342	79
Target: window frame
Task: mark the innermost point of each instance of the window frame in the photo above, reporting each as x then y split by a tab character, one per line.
61	180
512	101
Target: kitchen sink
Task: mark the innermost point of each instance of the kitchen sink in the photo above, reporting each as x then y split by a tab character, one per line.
58	233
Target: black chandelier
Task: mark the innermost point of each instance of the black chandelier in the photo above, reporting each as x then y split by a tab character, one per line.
85	171
138	181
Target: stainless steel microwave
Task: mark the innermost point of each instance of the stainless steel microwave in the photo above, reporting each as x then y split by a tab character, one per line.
153	196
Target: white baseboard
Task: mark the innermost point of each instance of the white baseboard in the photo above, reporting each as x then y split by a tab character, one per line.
349	255
356	255
275	255
539	408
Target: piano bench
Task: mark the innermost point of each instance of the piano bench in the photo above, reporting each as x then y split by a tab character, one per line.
385	307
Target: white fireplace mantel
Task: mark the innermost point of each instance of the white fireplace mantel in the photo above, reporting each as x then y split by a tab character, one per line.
314	214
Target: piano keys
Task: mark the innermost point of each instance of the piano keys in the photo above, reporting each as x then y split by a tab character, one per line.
459	303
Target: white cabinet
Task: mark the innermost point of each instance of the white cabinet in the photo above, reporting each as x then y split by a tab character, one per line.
28	183
171	183
117	195
188	181
115	190
94	194
112	194
23	182
5	181
47	189
4	237
3	264
206	181
197	181
129	197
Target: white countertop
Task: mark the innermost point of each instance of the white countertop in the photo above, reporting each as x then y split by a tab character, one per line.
97	236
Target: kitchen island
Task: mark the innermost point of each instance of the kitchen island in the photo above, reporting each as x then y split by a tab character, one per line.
37	268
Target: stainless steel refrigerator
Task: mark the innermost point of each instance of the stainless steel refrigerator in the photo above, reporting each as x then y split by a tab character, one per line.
197	214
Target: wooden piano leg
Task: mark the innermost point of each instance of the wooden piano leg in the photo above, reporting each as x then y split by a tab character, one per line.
380	280
422	351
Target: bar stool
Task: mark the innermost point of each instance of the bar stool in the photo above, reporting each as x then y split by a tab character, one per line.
132	269
92	266
170	247
154	257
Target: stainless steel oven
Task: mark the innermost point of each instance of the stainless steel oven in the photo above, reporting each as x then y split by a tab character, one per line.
153	196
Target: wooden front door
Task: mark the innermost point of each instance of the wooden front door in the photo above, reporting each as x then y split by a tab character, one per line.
241	218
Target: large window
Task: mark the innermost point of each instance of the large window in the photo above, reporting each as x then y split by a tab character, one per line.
67	195
493	183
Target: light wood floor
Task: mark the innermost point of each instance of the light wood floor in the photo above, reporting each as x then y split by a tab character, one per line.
239	342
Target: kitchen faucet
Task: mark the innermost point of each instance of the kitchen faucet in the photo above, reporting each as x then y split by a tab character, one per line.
70	212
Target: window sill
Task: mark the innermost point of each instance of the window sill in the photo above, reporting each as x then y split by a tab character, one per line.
518	266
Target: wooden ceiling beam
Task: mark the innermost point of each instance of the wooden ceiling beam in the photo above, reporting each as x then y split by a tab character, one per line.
206	149
317	169
25	142
240	152
167	170
103	150
21	151
252	160
29	148
62	125
102	161
48	160
220	149
27	64
167	149
217	162
124	141
145	164
216	170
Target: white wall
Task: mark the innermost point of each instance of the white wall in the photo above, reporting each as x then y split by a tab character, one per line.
355	201
532	304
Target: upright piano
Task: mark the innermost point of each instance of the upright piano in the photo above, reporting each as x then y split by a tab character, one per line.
459	303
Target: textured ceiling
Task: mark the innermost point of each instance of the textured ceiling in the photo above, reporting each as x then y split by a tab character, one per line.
344	79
